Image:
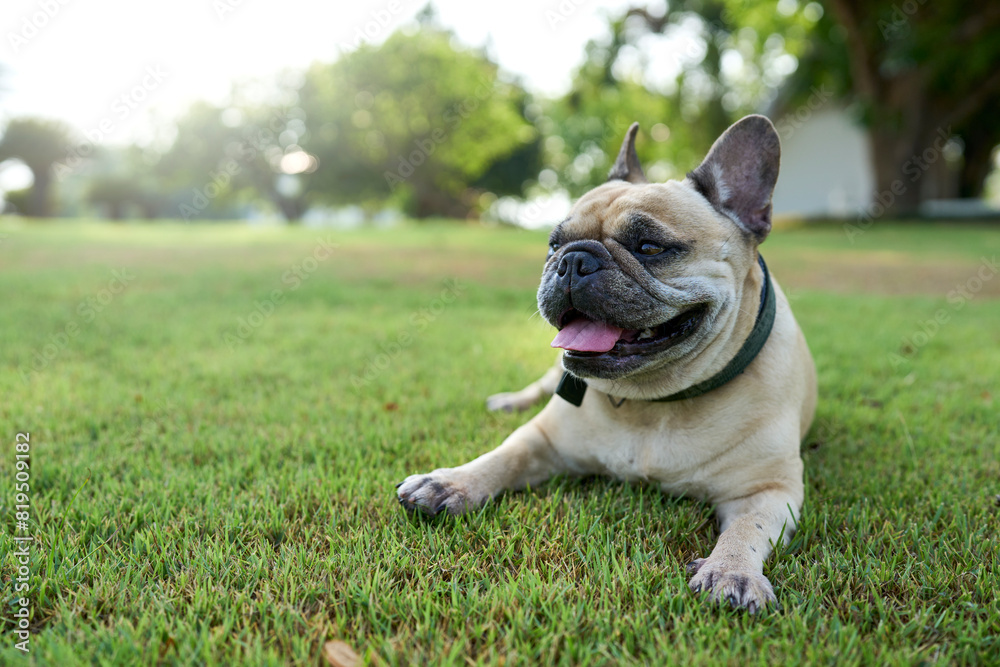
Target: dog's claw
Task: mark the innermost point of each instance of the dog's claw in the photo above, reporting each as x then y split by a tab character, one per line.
695	565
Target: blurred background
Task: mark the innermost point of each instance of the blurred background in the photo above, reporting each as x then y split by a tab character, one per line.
364	113
220	394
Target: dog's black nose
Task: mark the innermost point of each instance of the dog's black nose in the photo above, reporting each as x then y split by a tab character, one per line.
577	264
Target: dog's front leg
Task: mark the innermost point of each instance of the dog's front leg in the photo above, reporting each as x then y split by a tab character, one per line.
525	457
750	527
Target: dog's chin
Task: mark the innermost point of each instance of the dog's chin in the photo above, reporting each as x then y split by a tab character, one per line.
670	340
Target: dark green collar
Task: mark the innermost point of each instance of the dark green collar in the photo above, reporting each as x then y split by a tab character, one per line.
572	388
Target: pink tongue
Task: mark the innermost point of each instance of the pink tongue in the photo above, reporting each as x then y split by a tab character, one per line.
585	335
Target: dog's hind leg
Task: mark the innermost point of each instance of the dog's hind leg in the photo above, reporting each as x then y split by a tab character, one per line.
535	392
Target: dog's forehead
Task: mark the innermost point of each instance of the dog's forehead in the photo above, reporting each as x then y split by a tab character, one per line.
606	209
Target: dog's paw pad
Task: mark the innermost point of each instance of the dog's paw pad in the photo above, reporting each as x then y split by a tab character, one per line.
740	588
432	494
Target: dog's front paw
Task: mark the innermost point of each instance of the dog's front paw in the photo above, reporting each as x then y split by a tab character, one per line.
513	401
436	492
739	587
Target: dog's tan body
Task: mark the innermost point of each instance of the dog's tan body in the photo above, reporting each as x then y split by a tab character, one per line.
736	447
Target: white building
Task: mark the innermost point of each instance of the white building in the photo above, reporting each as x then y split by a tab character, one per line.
826	171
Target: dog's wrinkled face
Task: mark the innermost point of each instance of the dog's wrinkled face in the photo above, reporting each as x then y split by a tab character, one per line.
636	276
642	275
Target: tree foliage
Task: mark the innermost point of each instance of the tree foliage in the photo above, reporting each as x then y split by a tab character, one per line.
40	144
685	71
417	120
909	71
919	69
427	125
224	156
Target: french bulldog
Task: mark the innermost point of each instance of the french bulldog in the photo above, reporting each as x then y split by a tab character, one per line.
682	364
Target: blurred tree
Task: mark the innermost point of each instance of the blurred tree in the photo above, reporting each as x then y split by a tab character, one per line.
40	144
685	71
916	73
586	128
922	71
418	121
121	182
113	193
190	165
271	159
980	137
510	175
222	157
16	200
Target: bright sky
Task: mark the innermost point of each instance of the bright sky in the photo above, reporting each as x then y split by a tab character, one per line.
105	65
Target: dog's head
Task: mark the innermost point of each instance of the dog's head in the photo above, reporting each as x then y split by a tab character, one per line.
642	278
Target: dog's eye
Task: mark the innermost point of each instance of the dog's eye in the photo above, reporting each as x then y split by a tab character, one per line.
552	249
648	248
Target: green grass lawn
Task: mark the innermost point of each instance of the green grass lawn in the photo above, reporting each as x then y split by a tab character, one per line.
213	450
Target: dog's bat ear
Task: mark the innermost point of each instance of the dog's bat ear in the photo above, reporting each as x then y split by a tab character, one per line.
738	175
627	167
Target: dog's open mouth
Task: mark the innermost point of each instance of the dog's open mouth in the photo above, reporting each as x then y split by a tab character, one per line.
581	336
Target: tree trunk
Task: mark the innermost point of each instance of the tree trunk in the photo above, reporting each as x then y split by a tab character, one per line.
978	160
909	122
430	202
39	202
291	208
897	176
